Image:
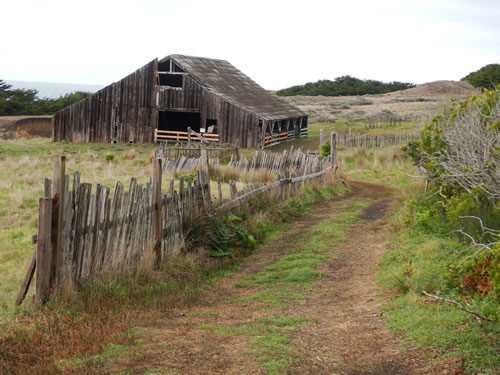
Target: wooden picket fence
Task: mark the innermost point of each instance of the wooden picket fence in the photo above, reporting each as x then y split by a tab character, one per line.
370	141
182	164
297	163
83	232
213	151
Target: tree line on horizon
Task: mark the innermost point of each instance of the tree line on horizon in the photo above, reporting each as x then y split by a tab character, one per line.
488	77
23	102
344	86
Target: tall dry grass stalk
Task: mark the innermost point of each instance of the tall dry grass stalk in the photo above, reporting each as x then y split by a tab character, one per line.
147	260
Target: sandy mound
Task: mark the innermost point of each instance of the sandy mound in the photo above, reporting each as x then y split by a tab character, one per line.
437	88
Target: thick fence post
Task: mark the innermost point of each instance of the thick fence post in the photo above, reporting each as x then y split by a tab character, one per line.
58	184
47	188
204	162
157	210
333	147
189	136
44	251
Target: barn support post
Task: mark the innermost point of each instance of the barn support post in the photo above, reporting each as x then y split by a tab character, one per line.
44	251
264	129
157	174
58	184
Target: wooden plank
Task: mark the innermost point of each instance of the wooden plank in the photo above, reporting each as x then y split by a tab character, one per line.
157	177
47	188
59	182
27	280
44	251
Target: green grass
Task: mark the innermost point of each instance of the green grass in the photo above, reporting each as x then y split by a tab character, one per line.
202	313
270	337
159	371
301	267
278	297
416	261
284	282
111	351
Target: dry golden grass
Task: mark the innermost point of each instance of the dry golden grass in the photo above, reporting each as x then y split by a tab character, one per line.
226	173
423	99
387	166
24	164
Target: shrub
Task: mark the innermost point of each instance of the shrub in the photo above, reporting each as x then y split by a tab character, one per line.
324	149
460	148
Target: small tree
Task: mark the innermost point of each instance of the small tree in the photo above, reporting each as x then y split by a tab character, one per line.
324	149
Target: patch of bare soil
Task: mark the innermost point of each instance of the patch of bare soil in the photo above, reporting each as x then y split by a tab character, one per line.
347	335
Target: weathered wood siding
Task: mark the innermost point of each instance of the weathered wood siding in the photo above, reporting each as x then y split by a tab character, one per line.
234	125
127	112
188	98
123	112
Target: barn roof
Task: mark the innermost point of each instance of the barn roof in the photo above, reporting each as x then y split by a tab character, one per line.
222	78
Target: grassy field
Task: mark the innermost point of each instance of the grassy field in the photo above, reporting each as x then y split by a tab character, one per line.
311	142
25	164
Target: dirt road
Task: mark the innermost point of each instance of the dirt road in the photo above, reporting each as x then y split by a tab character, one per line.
272	318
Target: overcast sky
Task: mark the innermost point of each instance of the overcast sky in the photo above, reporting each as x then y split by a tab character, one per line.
277	43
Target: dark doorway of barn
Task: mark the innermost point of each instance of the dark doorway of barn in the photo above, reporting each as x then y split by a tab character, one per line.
179	121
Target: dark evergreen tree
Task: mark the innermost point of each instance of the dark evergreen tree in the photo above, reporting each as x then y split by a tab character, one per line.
19	102
342	86
486	77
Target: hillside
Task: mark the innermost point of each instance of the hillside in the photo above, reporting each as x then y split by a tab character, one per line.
410	103
25	126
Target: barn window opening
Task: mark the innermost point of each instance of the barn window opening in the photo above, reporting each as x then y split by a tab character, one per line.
171	80
176	68
164	66
179	121
169	66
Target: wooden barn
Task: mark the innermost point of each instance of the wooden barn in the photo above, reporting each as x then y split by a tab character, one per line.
164	98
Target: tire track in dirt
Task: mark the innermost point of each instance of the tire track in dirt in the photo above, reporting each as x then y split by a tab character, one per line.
347	334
